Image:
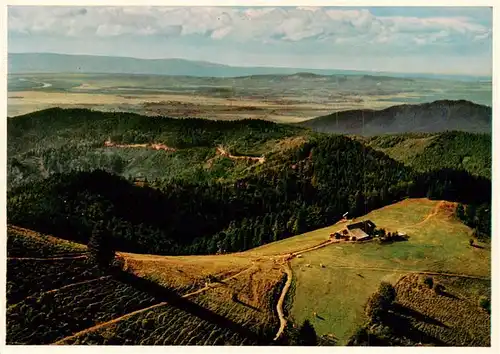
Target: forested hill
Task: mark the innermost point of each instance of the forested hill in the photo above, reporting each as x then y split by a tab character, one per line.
425	152
311	187
207	186
63	140
438	116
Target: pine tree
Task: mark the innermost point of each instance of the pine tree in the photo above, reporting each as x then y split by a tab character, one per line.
100	246
470	215
307	335
275	231
388	293
299	225
460	212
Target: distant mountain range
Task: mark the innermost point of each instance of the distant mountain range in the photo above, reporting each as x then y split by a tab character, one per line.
62	63
437	116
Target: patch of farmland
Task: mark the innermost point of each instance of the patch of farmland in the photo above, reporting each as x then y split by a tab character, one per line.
51	316
29	277
167	325
453	317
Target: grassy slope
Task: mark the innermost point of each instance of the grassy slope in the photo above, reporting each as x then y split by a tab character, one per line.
44	319
26	243
184	273
338	292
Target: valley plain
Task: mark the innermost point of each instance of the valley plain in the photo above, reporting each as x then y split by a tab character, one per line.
289	98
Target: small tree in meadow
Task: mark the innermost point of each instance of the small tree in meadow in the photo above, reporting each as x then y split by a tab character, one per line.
485	303
375	307
387	292
429	282
307	334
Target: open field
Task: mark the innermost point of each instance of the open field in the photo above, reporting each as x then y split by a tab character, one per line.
297	243
281	98
172	105
338	291
184	273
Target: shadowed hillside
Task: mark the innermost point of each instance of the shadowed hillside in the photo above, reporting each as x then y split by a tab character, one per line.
431	117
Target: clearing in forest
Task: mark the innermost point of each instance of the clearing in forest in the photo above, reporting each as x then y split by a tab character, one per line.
333	283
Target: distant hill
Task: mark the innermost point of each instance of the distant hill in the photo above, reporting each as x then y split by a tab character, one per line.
62	63
431	117
425	152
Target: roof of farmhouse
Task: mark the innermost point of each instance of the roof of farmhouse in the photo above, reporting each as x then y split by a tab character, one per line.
361	224
358	233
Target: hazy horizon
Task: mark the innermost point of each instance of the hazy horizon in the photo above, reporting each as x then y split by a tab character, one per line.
422	40
299	69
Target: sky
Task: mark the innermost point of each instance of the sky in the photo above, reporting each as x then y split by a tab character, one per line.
441	40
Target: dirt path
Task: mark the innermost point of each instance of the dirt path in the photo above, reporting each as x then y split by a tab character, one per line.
46	259
313	248
433	213
223	152
128	315
104	324
281	300
154	146
412	271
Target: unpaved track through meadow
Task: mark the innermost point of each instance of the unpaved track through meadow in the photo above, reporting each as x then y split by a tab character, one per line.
281	300
433	213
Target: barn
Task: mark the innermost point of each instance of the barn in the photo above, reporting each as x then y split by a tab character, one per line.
362	230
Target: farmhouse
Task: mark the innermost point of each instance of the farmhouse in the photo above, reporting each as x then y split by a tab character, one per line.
362	230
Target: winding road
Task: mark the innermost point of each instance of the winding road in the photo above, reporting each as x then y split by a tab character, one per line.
223	152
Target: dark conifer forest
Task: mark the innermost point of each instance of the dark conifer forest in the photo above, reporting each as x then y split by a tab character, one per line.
63	181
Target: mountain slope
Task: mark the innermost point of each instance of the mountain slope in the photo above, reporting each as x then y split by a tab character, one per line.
158	300
204	199
56	140
64	63
424	151
437	116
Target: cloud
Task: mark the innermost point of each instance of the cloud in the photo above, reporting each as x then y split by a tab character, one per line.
334	26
